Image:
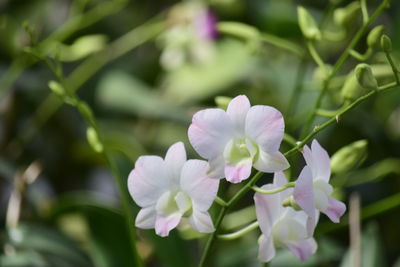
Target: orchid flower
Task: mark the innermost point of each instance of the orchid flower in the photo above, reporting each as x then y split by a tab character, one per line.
281	226
242	137
171	188
313	191
190	36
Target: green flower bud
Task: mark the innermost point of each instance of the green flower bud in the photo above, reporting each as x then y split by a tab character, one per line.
93	140
365	77
351	88
57	88
222	102
374	36
345	15
349	157
386	43
307	24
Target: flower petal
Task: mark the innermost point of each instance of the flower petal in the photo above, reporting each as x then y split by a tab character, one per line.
268	208
164	224
279	181
174	160
210	130
201	221
320	156
196	183
146	218
303	249
235	173
335	209
148	180
303	194
216	167
237	111
266	250
265	125
271	162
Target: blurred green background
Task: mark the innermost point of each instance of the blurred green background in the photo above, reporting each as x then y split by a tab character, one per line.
70	211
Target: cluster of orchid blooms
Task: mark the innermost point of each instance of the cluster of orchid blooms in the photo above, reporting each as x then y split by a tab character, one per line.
232	142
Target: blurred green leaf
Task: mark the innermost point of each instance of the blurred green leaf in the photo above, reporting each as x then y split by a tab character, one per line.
48	242
22	259
122	92
231	63
371	249
81	48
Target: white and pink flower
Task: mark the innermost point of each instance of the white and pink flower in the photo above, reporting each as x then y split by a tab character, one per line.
281	226
242	137
171	188
313	191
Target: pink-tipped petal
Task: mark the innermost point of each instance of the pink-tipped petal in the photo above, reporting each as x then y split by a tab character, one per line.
148	180
201	221
199	187
265	125
335	209
303	194
164	224
268	208
237	111
210	130
320	156
303	249
266	250
146	218
238	172
271	162
216	167
174	160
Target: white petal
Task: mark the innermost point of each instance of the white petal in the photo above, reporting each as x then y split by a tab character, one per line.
303	192
201	221
279	181
237	111
303	249
235	173
210	130
164	224
174	160
268	209
266	250
335	209
265	125
195	182
146	218
322	161
271	162
216	167
148	181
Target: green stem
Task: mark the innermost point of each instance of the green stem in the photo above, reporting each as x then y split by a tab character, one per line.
393	66
282	43
361	57
364	11
289	139
239	233
273	191
342	59
328	113
314	54
221	202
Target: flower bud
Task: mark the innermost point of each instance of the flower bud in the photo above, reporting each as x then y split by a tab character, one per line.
374	36
222	102
351	88
386	43
349	157
365	77
307	24
93	140
57	88
345	15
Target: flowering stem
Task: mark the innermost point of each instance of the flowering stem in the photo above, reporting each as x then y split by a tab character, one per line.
393	66
240	232
289	139
220	201
342	59
364	11
273	191
314	54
